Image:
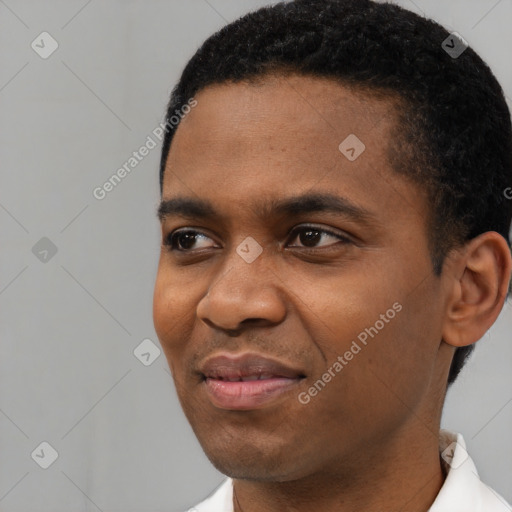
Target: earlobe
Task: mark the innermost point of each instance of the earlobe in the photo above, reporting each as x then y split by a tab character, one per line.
478	279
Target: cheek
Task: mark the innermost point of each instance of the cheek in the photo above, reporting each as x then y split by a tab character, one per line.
383	332
417	338
162	308
172	314
340	309
399	360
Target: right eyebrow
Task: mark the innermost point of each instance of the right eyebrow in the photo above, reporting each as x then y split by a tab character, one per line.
186	207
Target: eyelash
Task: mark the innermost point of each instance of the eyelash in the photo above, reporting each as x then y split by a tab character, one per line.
171	244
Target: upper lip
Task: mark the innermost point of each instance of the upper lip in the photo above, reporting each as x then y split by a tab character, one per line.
237	366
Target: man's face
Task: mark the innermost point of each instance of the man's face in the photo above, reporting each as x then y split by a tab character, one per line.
282	294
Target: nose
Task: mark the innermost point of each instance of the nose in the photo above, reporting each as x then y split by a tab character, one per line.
243	293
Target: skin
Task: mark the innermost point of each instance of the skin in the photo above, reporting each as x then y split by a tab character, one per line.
369	440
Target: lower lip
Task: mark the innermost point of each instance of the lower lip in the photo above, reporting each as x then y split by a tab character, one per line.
245	395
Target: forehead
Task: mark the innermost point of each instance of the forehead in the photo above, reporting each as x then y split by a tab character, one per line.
282	136
281	107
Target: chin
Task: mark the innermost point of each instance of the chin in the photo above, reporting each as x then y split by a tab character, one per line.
256	470
242	460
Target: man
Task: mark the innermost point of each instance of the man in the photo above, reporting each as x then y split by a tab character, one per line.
334	241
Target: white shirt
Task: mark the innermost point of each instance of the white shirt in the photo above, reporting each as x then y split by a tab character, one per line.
462	491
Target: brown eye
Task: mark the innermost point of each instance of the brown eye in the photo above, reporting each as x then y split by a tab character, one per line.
184	240
311	236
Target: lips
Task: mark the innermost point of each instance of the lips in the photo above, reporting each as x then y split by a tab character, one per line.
246	367
248	381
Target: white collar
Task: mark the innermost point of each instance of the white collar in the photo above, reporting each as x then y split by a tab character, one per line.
462	491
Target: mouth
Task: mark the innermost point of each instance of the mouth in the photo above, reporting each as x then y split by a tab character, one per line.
248	381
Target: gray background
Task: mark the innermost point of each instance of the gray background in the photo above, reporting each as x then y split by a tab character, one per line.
69	325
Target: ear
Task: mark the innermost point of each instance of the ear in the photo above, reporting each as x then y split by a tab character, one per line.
478	278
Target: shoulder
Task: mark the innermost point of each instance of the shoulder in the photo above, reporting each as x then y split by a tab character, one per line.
220	500
463	490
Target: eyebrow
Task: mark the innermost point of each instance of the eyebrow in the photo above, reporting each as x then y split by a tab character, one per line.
201	209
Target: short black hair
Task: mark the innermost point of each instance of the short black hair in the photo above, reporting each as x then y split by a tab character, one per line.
452	136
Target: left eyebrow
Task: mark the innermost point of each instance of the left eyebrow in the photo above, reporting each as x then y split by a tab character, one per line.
317	202
193	208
